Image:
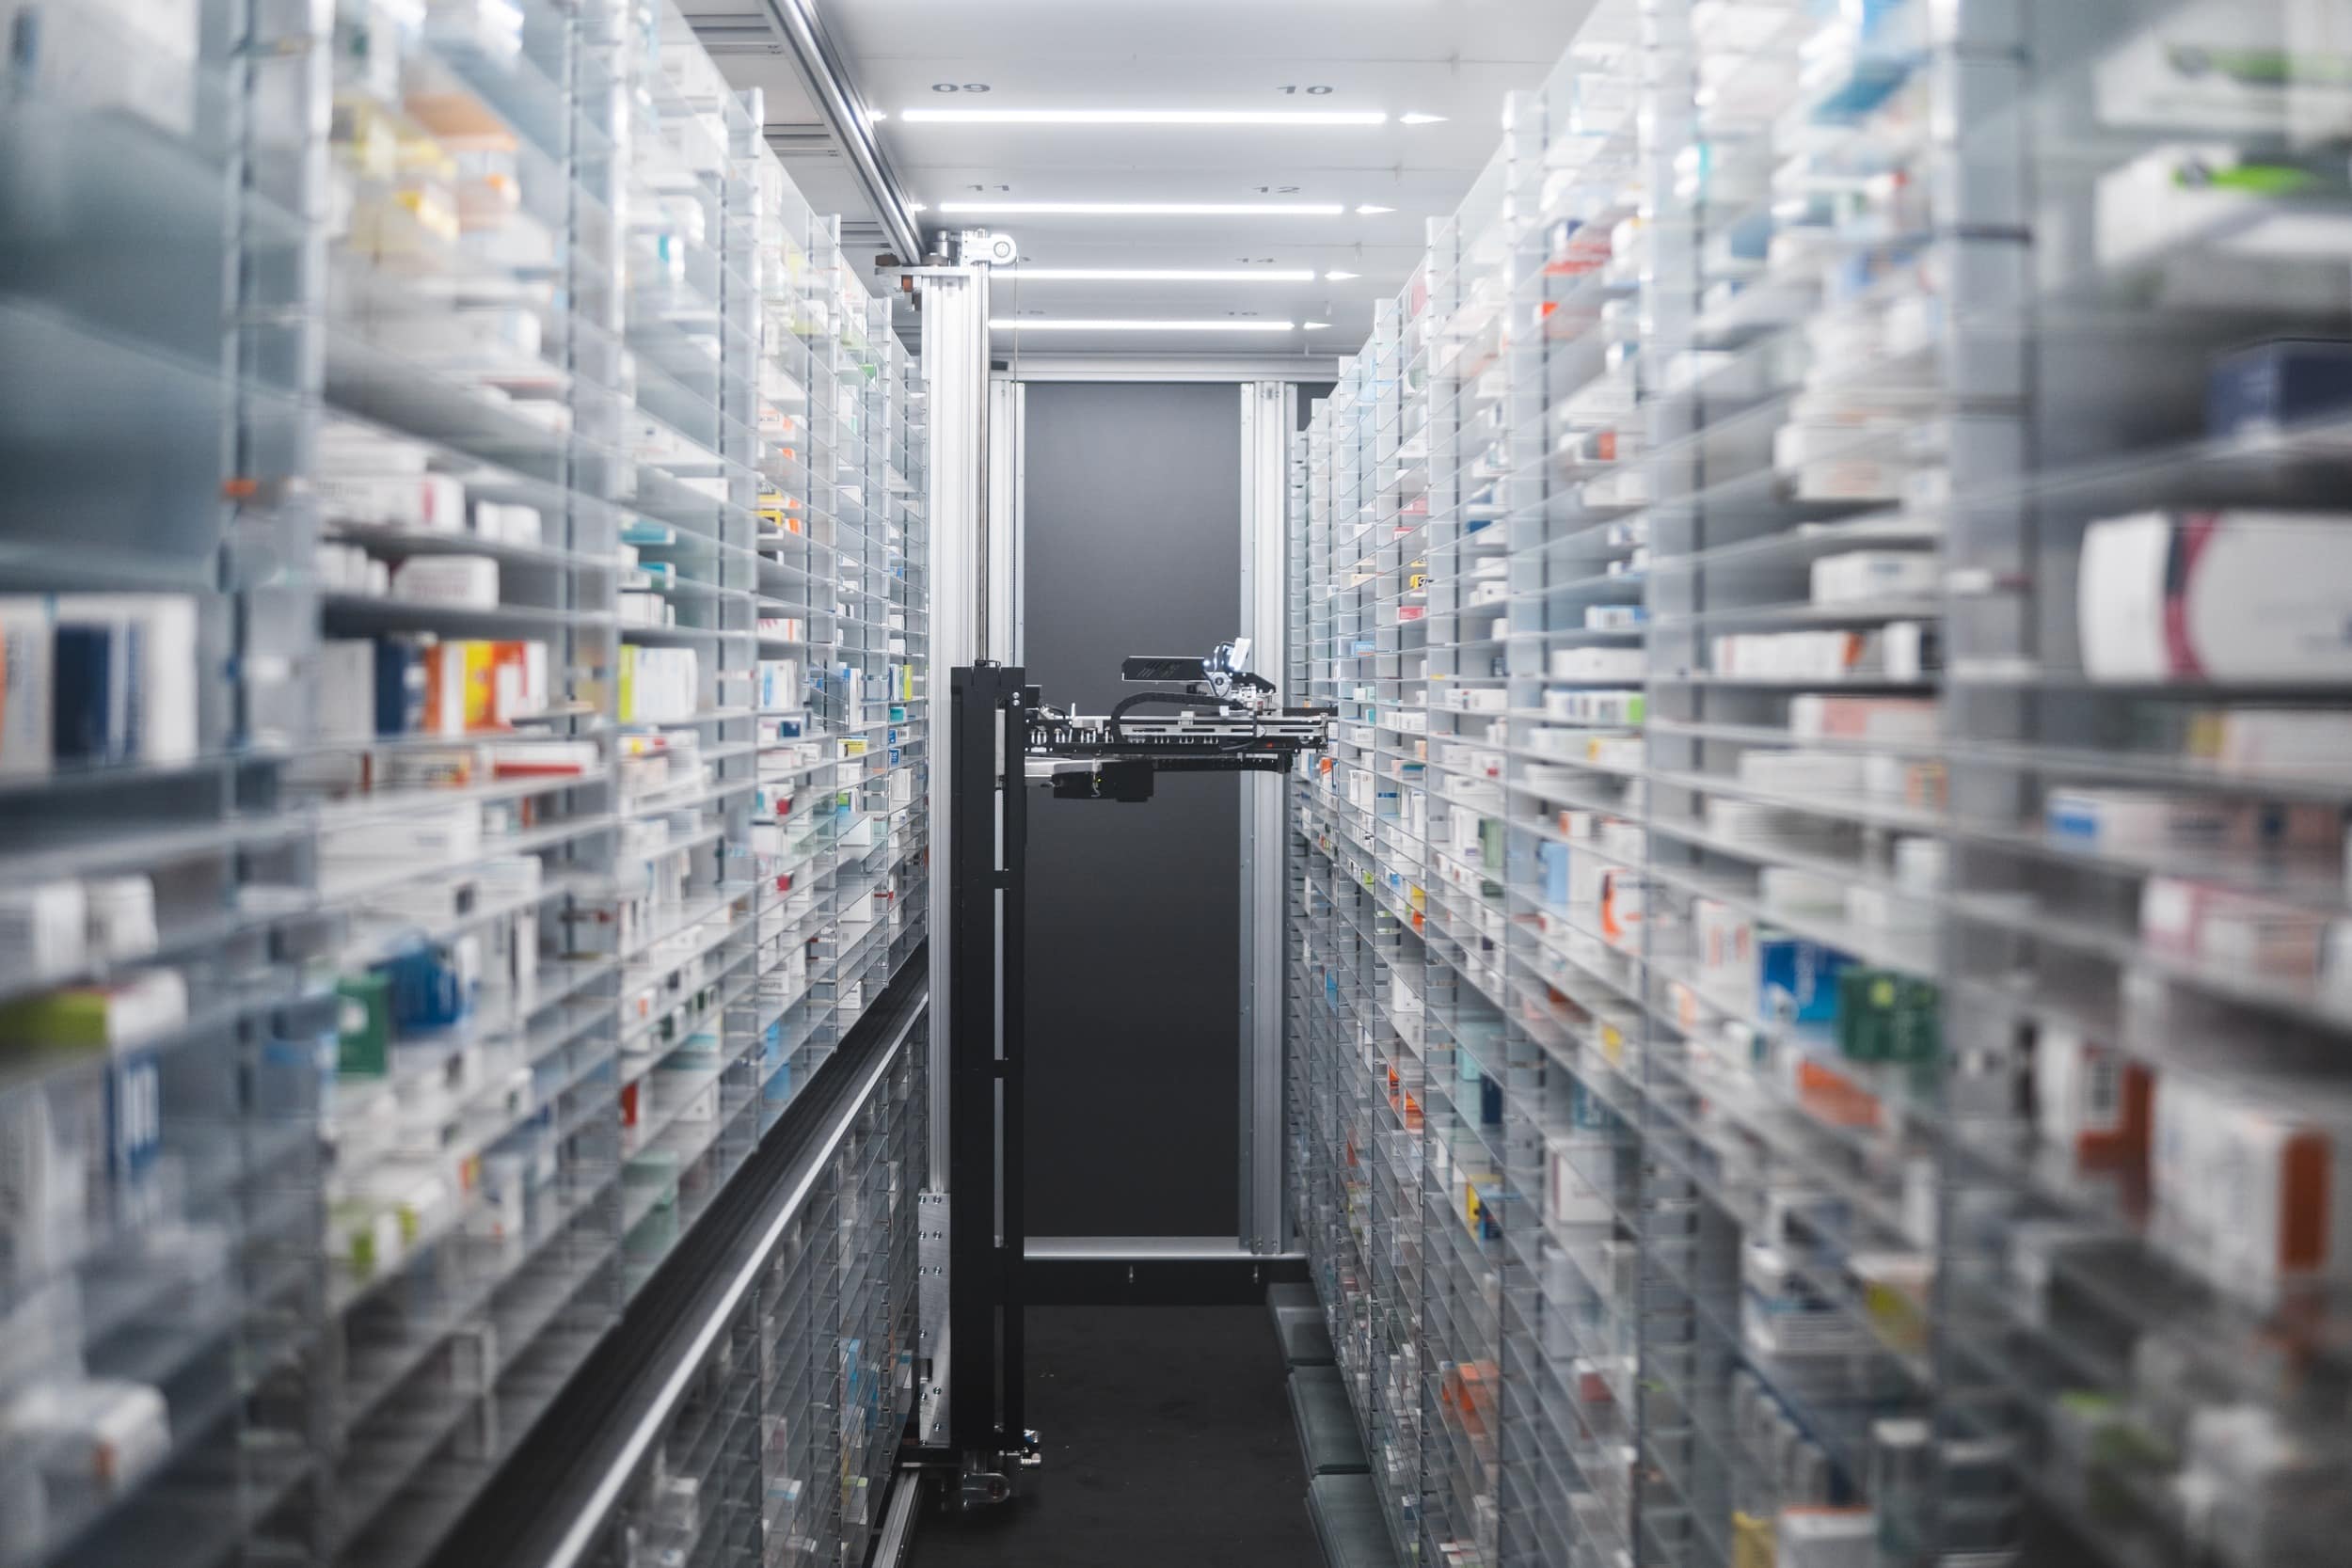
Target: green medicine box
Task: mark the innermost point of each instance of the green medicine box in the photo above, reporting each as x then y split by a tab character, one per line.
1883	1016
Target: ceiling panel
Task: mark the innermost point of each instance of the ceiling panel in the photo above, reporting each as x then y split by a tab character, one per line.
1455	59
787	101
1220	32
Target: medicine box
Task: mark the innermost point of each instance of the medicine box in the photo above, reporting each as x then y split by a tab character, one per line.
44	928
2092	1102
424	502
26	677
1875	575
124	671
2251	1194
1897	720
469	580
2273	387
2246	596
1797	979
2248	741
2138	820
122	1012
1883	1016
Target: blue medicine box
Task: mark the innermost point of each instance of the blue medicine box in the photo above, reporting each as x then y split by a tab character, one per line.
1798	980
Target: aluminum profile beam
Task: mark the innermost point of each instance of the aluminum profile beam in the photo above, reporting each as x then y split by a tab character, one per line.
793	30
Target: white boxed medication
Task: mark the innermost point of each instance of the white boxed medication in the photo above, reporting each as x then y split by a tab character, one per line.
143	701
2225	596
2134	820
1822	655
121	917
346	690
2273	740
26	673
1874	575
1903	780
1876	909
2251	1195
423	502
95	1436
2181	65
1827	1538
2220	226
1852	479
1730	968
108	55
450	832
1909	650
1570	1199
44	1187
1597	664
44	928
1803	773
509	523
470	580
1897	720
341	569
1790	891
1922	866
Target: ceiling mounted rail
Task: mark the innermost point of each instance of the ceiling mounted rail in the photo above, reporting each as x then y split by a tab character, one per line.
793	31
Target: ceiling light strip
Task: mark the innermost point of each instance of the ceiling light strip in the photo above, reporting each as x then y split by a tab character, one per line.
1147	209
1300	119
1066	324
1156	275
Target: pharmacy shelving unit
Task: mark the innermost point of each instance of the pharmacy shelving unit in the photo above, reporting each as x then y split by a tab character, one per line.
692	1041
159	1259
838	613
907	641
2140	1266
1910	1043
868	535
470	465
792	832
1498	1031
1465	1195
1647	1317
1302	993
1360	875
399	973
774	1443
835	456
1824	372
1390	530
1555	521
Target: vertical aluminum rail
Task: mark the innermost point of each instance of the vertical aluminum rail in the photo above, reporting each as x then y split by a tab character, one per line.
987	1231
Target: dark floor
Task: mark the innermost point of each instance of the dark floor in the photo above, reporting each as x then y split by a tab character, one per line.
1169	1444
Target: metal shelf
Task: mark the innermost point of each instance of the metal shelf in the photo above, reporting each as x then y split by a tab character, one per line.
407	980
1880	323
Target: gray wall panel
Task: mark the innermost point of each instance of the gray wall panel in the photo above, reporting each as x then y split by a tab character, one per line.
1134	518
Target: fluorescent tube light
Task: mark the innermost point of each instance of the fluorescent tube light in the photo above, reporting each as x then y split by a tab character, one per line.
1421	119
1339	276
1367	210
1147	209
1302	119
1068	324
1156	275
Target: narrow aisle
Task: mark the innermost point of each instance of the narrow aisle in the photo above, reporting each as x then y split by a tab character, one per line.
1169	1444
